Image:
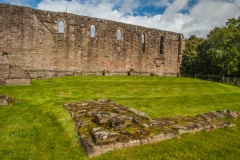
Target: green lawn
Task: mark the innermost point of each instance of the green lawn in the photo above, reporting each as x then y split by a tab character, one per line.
37	127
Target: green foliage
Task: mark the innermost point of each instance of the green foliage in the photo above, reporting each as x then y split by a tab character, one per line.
37	126
190	56
219	54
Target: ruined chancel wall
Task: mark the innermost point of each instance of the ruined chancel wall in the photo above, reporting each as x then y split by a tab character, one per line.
34	41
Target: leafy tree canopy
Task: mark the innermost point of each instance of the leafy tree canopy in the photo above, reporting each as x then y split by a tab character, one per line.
218	54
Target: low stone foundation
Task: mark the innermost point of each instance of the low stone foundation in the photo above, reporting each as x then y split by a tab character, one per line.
14	75
6	100
105	125
18	81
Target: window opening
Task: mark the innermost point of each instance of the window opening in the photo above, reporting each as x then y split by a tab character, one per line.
143	43
119	34
161	45
93	31
60	27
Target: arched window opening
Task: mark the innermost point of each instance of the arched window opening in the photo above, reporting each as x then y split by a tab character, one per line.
143	39
161	45
119	34
93	31
60	27
143	42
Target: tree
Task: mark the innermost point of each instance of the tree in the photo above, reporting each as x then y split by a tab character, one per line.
234	25
190	56
222	49
218	54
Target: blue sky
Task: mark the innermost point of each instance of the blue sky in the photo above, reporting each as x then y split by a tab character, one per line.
189	17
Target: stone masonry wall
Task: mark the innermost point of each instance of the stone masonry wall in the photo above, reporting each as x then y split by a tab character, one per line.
31	39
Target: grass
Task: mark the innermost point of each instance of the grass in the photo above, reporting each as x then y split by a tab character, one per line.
37	127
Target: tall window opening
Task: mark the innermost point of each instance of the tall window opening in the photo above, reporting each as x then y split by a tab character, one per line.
119	34
60	27
93	31
143	42
161	45
179	49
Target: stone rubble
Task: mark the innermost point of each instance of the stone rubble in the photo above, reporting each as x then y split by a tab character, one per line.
104	125
6	100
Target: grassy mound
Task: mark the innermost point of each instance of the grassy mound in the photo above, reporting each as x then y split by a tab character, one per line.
37	127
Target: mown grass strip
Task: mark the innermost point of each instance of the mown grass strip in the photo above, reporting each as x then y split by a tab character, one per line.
37	127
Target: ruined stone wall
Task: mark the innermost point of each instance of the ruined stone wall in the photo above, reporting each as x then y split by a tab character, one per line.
31	39
104	125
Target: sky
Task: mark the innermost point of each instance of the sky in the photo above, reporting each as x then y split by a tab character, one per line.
190	17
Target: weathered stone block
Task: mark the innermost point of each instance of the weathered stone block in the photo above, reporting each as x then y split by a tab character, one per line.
6	100
232	114
17	81
103	117
170	135
116	121
124	136
104	137
14	75
3	102
121	121
158	137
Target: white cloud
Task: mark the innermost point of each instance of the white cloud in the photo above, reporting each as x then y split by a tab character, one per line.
200	18
105	9
237	2
159	3
127	6
208	14
171	10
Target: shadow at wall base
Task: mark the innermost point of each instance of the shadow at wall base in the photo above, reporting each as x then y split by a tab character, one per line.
39	74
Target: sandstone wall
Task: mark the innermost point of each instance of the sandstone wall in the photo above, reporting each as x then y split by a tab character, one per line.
31	39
